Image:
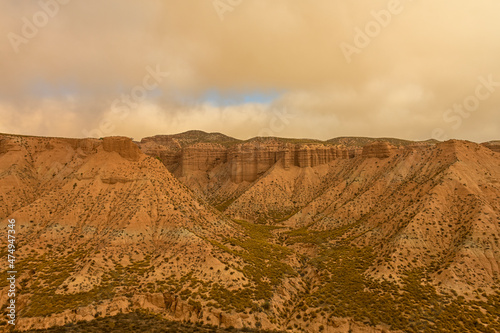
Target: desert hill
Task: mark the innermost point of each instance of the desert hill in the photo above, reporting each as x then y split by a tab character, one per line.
344	235
99	218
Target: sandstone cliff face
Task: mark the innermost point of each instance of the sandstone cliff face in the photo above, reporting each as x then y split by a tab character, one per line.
201	157
378	149
249	161
123	146
168	306
245	161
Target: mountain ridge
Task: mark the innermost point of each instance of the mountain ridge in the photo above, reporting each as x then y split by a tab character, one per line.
251	240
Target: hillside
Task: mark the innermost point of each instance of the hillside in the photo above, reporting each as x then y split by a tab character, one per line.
350	235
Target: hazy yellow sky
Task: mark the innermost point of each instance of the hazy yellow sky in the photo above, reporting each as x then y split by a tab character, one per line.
290	68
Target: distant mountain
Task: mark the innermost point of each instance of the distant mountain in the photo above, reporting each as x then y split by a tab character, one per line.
193	137
360	142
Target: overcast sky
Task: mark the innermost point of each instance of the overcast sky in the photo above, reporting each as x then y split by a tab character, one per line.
290	68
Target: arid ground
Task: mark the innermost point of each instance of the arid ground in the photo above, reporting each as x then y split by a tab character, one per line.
212	234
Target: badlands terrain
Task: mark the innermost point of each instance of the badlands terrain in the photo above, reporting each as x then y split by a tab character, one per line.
201	232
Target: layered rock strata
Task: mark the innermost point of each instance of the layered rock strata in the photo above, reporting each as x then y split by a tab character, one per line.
379	149
245	161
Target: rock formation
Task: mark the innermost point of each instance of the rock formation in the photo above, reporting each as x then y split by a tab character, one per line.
200	157
245	161
123	146
378	149
292	235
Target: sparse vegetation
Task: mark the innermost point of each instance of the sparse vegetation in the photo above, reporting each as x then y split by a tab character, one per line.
138	322
407	238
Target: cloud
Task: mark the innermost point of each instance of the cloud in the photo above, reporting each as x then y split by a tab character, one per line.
427	58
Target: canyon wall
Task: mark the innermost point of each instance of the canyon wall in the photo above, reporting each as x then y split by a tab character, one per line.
246	161
201	157
123	146
378	149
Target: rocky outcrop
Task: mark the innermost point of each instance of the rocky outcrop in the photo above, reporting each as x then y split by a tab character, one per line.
245	162
201	157
458	149
106	308
123	146
169	155
249	161
166	306
311	156
378	149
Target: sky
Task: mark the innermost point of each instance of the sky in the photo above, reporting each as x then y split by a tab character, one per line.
411	69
